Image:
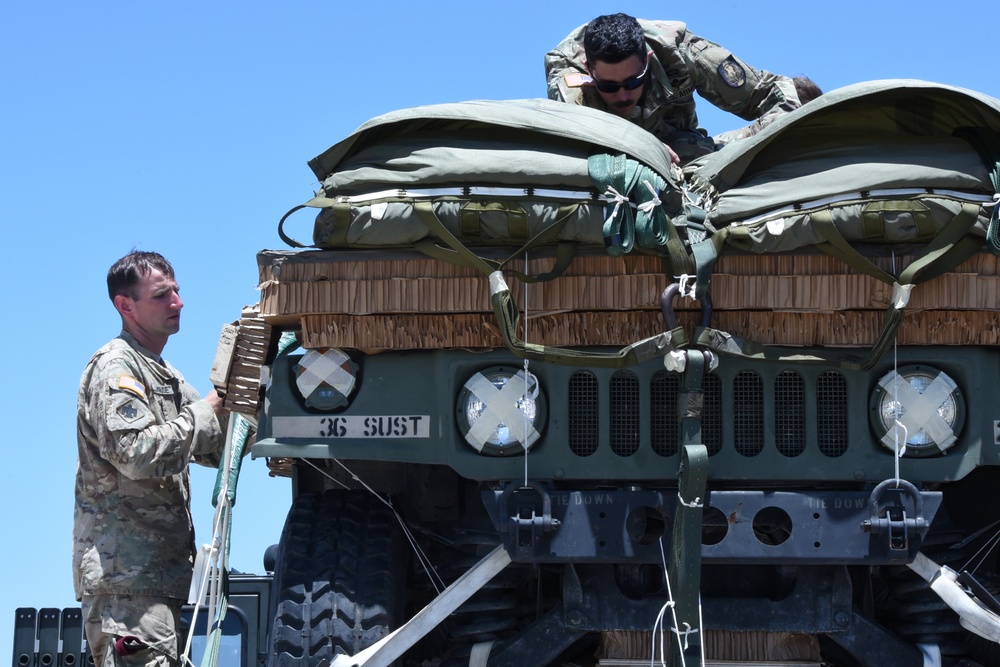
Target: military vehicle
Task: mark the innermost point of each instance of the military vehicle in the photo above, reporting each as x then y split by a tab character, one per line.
774	457
547	399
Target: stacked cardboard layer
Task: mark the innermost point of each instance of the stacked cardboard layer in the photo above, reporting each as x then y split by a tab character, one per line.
242	350
404	300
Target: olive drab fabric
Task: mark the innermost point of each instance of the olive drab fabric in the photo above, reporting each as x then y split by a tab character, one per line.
683	64
492	142
877	168
889	164
871	142
495	172
139	425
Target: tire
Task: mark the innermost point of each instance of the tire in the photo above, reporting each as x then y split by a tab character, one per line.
339	580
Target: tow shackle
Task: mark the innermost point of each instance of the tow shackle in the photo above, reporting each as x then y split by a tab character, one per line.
667	306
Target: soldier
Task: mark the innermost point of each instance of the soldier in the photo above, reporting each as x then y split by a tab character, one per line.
805	88
138	426
648	72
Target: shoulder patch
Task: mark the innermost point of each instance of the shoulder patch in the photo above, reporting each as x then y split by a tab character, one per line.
577	80
732	72
131	384
129	411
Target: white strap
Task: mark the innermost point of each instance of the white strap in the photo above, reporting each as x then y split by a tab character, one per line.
480	654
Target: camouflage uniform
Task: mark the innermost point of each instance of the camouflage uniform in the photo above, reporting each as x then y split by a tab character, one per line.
682	64
138	426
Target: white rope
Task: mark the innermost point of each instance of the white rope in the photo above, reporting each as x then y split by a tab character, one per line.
527	374
686	285
983	552
211	580
694	503
681	635
618	198
648	206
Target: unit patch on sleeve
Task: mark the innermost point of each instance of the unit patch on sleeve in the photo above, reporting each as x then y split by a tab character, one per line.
128	411
732	72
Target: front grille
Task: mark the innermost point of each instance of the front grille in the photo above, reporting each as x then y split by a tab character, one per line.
782	412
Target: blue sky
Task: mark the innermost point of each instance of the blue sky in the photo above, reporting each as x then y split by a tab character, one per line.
184	127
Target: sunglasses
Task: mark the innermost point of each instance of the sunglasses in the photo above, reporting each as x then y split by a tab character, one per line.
628	84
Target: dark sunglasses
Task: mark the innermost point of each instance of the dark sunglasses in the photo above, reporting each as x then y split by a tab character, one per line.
627	84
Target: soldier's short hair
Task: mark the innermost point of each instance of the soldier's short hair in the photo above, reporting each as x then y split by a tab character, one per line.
612	38
125	274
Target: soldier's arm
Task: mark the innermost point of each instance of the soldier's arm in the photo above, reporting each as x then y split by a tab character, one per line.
734	86
130	437
565	70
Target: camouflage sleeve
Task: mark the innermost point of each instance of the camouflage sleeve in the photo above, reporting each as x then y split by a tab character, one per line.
207	451
132	434
734	86
565	70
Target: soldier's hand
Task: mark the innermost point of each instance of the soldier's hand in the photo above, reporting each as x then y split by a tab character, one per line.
673	156
216	400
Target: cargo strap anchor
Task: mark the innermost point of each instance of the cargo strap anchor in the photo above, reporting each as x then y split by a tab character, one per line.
667	305
530	515
889	515
684	567
677	360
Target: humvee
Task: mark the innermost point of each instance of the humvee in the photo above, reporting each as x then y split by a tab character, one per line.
546	399
594	459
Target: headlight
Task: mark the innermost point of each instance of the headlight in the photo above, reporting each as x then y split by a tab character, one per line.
325	377
500	411
919	407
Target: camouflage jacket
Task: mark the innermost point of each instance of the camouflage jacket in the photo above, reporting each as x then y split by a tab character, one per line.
682	64
139	424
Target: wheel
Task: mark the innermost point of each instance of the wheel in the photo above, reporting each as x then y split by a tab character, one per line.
339	579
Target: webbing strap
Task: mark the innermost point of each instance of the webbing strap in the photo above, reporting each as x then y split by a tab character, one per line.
993	230
630	355
238	436
950	247
625	181
507	314
728	344
685	564
341	225
873	218
470	218
705	253
458	253
986	142
281	228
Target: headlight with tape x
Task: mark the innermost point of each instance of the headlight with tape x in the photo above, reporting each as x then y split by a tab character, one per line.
326	378
918	407
500	411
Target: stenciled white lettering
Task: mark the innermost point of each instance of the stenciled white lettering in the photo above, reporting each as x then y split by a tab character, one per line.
352	426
